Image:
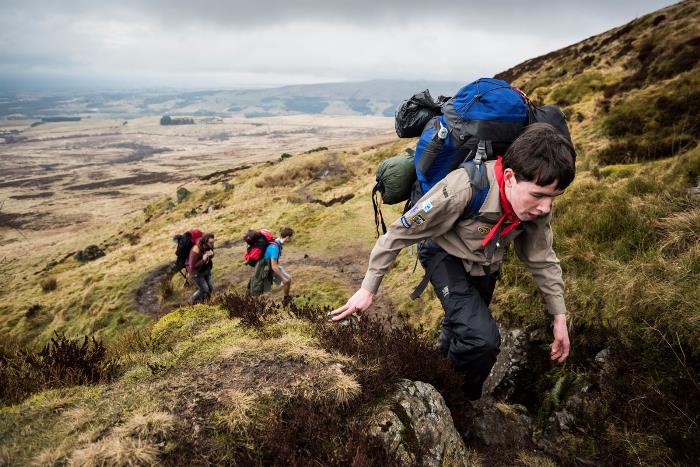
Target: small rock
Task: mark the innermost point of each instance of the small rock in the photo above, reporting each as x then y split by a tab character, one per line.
182	194
536	335
561	422
502	425
213	207
90	253
170	204
694	192
228	186
602	357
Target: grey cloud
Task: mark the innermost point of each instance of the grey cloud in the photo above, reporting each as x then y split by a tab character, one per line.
505	14
213	41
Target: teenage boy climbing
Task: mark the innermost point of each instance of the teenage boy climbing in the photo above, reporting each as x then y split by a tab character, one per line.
462	255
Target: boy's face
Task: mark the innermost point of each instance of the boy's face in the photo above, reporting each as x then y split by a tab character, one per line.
528	199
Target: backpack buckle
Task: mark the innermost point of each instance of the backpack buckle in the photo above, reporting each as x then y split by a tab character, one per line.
481	154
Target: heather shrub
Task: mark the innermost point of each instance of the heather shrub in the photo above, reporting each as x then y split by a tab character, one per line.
62	362
381	354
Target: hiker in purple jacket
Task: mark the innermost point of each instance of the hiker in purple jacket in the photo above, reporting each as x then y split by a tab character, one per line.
199	267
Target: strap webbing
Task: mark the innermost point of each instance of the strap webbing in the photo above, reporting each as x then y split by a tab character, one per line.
434	262
378	217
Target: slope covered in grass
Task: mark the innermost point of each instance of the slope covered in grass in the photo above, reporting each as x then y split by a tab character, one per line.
626	232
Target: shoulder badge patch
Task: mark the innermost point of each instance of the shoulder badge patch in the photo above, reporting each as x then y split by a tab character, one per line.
444	192
482	229
427	206
405	222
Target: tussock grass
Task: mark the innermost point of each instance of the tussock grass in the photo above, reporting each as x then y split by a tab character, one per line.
49	284
155	425
114	451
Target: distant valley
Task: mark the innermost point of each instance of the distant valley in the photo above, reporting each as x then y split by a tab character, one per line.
377	98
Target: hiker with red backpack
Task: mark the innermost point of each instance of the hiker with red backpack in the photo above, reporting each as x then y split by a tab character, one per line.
199	267
482	182
264	254
184	242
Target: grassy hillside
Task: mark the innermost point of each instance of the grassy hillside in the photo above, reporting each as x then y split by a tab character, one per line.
627	233
238	382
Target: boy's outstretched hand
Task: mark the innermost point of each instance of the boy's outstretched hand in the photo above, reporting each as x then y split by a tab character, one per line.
560	346
361	301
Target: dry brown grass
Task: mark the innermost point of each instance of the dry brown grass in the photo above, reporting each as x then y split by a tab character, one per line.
680	231
114	451
155	426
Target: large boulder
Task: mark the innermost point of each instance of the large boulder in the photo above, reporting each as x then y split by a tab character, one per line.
416	428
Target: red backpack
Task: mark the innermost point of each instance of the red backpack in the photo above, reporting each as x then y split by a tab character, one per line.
185	242
257	241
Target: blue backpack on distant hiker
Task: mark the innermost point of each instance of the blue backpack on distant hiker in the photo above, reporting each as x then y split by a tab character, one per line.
477	124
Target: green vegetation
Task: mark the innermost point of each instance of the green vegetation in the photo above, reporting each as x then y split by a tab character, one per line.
654	123
626	232
245	381
577	89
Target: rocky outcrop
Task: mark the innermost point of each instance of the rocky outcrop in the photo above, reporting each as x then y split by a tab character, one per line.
416	428
511	360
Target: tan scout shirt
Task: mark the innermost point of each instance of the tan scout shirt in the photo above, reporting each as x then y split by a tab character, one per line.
437	215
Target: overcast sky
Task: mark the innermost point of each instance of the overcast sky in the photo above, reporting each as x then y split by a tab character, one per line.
236	43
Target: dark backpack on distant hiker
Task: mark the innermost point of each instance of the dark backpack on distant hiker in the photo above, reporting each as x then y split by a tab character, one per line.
479	123
257	241
185	242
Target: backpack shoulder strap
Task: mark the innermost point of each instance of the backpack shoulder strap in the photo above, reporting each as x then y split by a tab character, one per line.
480	187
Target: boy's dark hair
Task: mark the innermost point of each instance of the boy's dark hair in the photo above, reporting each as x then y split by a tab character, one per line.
202	242
542	155
286	232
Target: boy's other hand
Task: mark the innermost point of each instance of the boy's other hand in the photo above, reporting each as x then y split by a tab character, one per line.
561	345
361	301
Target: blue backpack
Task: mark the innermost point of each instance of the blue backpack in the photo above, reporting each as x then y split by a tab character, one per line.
478	123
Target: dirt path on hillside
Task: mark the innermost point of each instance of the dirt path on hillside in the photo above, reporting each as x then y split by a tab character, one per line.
147	295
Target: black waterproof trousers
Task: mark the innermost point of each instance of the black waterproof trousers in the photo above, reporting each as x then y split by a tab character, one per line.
469	336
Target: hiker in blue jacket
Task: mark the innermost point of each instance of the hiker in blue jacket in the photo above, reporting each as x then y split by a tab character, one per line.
272	254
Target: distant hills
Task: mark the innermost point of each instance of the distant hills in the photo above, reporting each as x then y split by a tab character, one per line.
377	97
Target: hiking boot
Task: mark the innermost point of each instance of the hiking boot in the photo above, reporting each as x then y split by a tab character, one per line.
287	300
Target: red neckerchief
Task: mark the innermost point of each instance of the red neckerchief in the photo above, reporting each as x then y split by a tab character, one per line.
508	213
